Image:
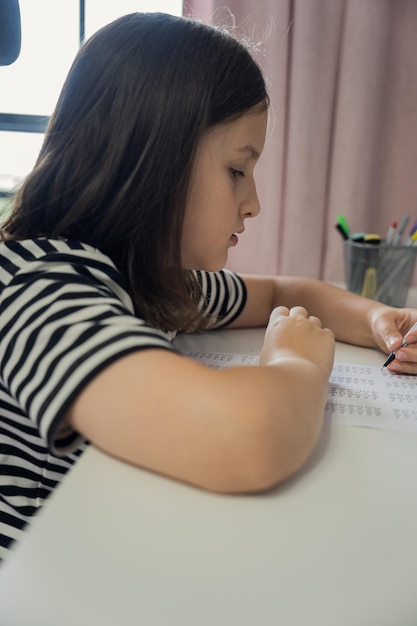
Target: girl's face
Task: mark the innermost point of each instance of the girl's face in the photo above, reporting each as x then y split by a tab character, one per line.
222	192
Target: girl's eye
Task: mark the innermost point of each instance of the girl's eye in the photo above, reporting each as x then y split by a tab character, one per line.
236	173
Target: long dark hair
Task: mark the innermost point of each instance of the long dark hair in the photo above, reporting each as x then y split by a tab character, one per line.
114	168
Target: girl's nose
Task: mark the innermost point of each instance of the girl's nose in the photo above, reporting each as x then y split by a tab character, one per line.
251	207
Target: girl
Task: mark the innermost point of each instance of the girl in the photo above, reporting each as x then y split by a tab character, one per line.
117	240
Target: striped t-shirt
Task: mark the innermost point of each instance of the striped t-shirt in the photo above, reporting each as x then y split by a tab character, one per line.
65	316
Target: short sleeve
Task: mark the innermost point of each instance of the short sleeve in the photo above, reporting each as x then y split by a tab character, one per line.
223	296
65	317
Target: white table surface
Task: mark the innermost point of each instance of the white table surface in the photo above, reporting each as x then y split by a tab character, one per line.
334	546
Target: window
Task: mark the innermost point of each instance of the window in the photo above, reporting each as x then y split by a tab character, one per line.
51	35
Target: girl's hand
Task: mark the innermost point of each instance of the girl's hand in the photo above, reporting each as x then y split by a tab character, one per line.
293	333
389	327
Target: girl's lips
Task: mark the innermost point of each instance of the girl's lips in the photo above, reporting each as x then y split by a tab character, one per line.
234	239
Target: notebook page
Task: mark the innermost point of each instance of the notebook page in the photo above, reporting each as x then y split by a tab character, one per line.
359	395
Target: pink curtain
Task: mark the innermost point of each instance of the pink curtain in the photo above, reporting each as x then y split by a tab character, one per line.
343	129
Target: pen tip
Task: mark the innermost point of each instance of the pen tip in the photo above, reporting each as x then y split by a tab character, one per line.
389	360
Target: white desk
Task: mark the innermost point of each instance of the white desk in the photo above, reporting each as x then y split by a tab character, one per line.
335	546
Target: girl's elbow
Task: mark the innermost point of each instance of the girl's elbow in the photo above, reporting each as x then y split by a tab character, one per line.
264	463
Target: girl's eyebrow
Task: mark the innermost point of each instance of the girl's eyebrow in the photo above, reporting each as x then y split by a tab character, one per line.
254	154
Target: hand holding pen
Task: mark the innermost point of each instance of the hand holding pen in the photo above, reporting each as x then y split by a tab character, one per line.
404	343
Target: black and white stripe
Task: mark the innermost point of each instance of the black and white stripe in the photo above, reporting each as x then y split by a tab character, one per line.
64	316
224	296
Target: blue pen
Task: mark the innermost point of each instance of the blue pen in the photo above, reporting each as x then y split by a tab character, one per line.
412	229
411	232
403	345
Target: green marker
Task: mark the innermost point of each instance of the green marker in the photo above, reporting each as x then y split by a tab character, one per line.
341	220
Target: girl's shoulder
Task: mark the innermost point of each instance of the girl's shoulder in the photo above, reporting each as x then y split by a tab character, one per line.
27	254
25	251
60	260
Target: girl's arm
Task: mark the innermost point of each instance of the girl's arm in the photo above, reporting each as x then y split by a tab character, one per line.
238	430
353	319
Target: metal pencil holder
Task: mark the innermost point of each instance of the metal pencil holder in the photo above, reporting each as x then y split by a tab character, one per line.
381	272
